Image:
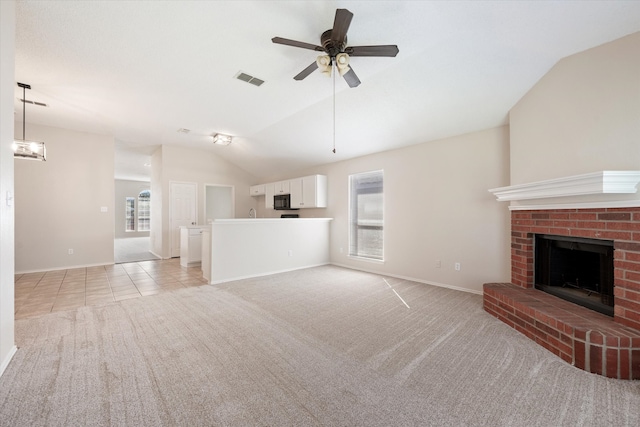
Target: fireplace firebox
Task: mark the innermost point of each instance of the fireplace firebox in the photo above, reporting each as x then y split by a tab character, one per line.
578	270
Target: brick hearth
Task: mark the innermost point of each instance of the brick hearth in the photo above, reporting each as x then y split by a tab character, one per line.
590	340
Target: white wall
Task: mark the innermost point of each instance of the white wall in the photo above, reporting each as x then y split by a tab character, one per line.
123	189
58	202
7	85
437	208
582	116
171	163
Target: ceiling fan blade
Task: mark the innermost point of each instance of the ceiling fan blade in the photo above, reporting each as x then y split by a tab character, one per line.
351	78
294	43
382	50
304	73
341	25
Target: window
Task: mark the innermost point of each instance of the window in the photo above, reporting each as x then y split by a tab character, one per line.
144	211
137	212
129	214
366	209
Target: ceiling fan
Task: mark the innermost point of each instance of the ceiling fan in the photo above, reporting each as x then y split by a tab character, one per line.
334	44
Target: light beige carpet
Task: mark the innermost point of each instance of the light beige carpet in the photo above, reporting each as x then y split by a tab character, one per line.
324	346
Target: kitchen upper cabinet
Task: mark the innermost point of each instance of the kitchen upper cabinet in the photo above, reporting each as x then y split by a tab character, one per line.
309	192
257	190
269	191
281	187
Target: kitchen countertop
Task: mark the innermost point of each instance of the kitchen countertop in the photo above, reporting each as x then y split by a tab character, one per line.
249	220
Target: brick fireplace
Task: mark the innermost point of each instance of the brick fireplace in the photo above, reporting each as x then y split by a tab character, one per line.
590	340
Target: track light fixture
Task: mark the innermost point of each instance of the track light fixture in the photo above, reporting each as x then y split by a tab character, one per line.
221	139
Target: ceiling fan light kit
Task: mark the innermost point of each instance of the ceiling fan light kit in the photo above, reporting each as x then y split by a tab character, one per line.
324	64
342	62
222	139
22	148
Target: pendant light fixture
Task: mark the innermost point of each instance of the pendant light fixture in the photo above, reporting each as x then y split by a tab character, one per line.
22	148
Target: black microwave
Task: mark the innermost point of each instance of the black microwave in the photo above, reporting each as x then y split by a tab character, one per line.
282	202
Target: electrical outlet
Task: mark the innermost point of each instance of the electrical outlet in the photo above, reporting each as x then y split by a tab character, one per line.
457	266
70	251
438	264
290	252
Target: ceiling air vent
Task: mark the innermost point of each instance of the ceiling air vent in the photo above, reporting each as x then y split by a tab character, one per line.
249	79
183	130
28	101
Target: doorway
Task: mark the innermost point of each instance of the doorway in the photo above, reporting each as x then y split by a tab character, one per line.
219	202
132	221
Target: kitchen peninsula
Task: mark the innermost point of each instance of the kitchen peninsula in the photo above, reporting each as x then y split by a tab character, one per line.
234	249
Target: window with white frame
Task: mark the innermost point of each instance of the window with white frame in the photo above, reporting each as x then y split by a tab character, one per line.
144	211
129	214
366	215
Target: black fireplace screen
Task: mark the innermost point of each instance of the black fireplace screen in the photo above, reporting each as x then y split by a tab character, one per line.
576	269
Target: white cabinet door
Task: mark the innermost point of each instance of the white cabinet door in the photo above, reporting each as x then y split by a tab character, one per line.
190	246
281	187
320	191
268	196
256	190
309	192
295	185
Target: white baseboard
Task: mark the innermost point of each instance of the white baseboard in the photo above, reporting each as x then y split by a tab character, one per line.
68	267
7	359
412	279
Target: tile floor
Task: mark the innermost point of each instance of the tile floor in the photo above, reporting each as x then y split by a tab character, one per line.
59	290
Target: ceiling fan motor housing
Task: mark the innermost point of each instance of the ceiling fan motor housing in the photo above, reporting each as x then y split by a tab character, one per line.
330	46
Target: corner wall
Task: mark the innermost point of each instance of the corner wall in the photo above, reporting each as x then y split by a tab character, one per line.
59	202
581	117
437	208
7	82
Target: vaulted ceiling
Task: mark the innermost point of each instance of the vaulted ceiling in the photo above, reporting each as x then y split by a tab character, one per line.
142	70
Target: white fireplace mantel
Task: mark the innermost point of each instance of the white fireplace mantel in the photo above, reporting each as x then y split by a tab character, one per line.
604	182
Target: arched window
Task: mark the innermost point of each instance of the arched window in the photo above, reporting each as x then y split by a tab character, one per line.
144	210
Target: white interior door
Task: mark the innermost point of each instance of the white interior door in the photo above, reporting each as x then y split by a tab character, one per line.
183	211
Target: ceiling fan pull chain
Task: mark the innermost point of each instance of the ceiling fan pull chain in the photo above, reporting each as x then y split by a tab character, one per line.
334	110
